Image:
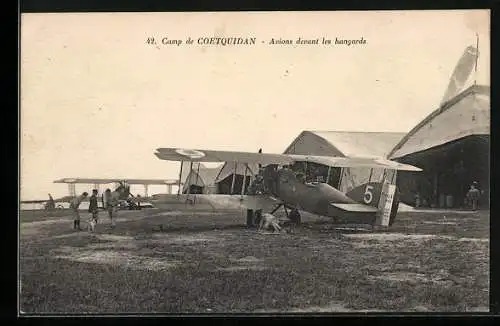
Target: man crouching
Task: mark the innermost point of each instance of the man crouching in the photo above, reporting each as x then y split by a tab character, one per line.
268	220
75	205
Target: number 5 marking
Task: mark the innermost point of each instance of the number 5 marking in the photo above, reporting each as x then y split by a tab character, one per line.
368	196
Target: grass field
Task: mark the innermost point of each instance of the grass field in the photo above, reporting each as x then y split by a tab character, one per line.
209	262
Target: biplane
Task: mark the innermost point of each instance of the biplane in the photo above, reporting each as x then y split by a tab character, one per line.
374	202
121	191
122	188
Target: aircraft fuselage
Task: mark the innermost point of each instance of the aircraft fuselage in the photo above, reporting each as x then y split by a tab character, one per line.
311	197
317	198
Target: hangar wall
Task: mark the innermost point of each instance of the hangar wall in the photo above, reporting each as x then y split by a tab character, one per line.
200	180
224	178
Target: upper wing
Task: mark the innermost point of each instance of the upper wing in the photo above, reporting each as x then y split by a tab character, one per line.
104	181
179	154
369	162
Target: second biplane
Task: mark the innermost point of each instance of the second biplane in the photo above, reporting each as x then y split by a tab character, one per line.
121	193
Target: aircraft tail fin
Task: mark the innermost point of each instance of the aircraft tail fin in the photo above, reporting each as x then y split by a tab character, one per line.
384	197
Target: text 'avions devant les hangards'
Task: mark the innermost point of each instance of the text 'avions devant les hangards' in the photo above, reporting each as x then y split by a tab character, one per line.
252	41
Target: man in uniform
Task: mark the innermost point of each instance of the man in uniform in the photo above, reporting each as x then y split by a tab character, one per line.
294	220
93	209
110	202
74	205
473	195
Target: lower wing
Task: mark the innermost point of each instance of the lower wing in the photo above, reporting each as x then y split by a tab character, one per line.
218	201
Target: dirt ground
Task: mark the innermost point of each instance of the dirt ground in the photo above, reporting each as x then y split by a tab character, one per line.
207	262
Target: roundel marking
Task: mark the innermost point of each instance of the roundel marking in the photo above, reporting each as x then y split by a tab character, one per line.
191	153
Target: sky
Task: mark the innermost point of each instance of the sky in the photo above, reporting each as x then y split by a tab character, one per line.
97	100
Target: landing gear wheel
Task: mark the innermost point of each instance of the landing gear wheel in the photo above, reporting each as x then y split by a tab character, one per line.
253	217
250	218
258	217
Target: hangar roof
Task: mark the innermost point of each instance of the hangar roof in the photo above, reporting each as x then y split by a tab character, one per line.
345	143
466	114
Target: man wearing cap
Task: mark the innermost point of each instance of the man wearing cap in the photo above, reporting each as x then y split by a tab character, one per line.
111	202
473	195
93	209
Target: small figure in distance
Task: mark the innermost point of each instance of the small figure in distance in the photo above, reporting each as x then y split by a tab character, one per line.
50	205
473	195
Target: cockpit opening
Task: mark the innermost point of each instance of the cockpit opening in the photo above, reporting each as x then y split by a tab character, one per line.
268	178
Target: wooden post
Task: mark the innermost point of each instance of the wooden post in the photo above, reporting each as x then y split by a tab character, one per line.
146	190
244	180
394	177
169	189
189	177
72	189
383	176
197	173
180	177
234	178
435	189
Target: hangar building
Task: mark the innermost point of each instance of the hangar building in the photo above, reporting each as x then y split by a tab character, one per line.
225	177
200	180
451	145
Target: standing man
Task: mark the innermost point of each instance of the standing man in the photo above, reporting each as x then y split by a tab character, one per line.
93	209
294	218
473	195
74	205
110	202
